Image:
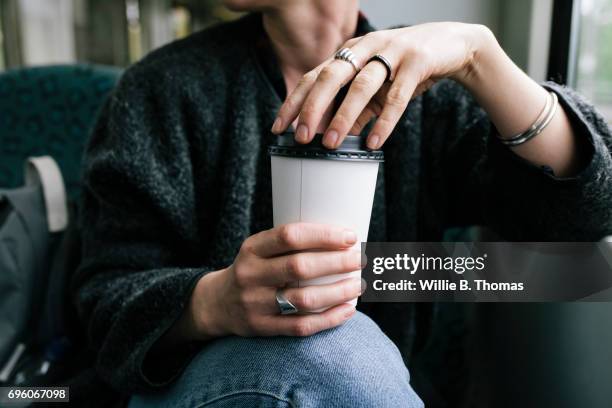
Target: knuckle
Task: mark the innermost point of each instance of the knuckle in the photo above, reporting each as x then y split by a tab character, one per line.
327	237
241	275
348	261
419	52
405	42
302	328
340	121
363	82
352	41
247	246
327	74
298	266
346	292
373	35
290	104
397	96
305	300
385	124
484	30
309	109
289	235
244	299
308	78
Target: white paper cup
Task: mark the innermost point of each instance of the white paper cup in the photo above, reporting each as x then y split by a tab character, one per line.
313	184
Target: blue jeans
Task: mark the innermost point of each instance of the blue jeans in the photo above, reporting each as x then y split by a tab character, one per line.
354	365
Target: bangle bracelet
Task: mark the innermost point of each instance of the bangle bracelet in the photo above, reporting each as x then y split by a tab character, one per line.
545	117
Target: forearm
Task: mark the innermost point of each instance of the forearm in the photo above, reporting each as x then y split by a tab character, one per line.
513	101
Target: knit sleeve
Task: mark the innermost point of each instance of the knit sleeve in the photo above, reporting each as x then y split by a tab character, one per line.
139	227
519	200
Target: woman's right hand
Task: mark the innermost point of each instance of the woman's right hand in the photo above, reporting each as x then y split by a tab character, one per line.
241	299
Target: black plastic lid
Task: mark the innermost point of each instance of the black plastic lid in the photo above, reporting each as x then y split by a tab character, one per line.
352	148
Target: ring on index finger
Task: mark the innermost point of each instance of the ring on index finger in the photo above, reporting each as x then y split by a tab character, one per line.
345	54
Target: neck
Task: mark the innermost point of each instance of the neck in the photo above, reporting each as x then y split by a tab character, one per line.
304	34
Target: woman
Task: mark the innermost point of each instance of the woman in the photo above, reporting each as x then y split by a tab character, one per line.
181	265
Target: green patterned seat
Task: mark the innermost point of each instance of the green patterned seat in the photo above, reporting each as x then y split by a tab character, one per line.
49	110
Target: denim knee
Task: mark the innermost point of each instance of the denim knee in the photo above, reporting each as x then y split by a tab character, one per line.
353	365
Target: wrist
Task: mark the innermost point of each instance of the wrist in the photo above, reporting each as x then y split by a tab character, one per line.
189	326
204	311
484	52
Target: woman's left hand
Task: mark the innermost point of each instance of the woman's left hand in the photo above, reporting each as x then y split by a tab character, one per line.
419	56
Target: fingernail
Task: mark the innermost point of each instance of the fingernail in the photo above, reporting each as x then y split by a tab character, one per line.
276	127
301	134
364	261
330	139
350	237
373	142
364	285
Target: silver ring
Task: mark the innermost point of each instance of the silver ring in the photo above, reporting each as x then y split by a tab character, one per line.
284	305
345	54
386	63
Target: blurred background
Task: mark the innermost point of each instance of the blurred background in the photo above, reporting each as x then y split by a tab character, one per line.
545	351
568	40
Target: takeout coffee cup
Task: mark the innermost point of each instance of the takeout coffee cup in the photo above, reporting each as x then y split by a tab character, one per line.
311	183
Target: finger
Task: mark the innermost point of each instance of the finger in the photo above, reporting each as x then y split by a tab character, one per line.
292	104
318	297
331	78
375	106
298	237
364	118
306	325
361	91
263	299
303	266
396	101
290	108
423	87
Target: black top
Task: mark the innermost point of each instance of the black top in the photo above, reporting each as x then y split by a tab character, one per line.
177	175
352	148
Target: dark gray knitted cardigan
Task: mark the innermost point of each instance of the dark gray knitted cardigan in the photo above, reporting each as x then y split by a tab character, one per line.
176	176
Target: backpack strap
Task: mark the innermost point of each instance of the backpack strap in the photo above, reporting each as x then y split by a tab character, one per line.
45	171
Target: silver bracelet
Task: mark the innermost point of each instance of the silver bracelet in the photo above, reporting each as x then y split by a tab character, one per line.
545	117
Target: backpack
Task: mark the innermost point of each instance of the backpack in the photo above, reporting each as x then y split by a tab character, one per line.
33	219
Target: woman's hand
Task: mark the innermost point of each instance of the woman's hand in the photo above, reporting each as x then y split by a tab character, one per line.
419	55
241	299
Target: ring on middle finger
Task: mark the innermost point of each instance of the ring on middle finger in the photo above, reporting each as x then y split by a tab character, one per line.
386	63
345	54
284	305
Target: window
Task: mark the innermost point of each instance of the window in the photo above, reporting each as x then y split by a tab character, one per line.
2	62
591	69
